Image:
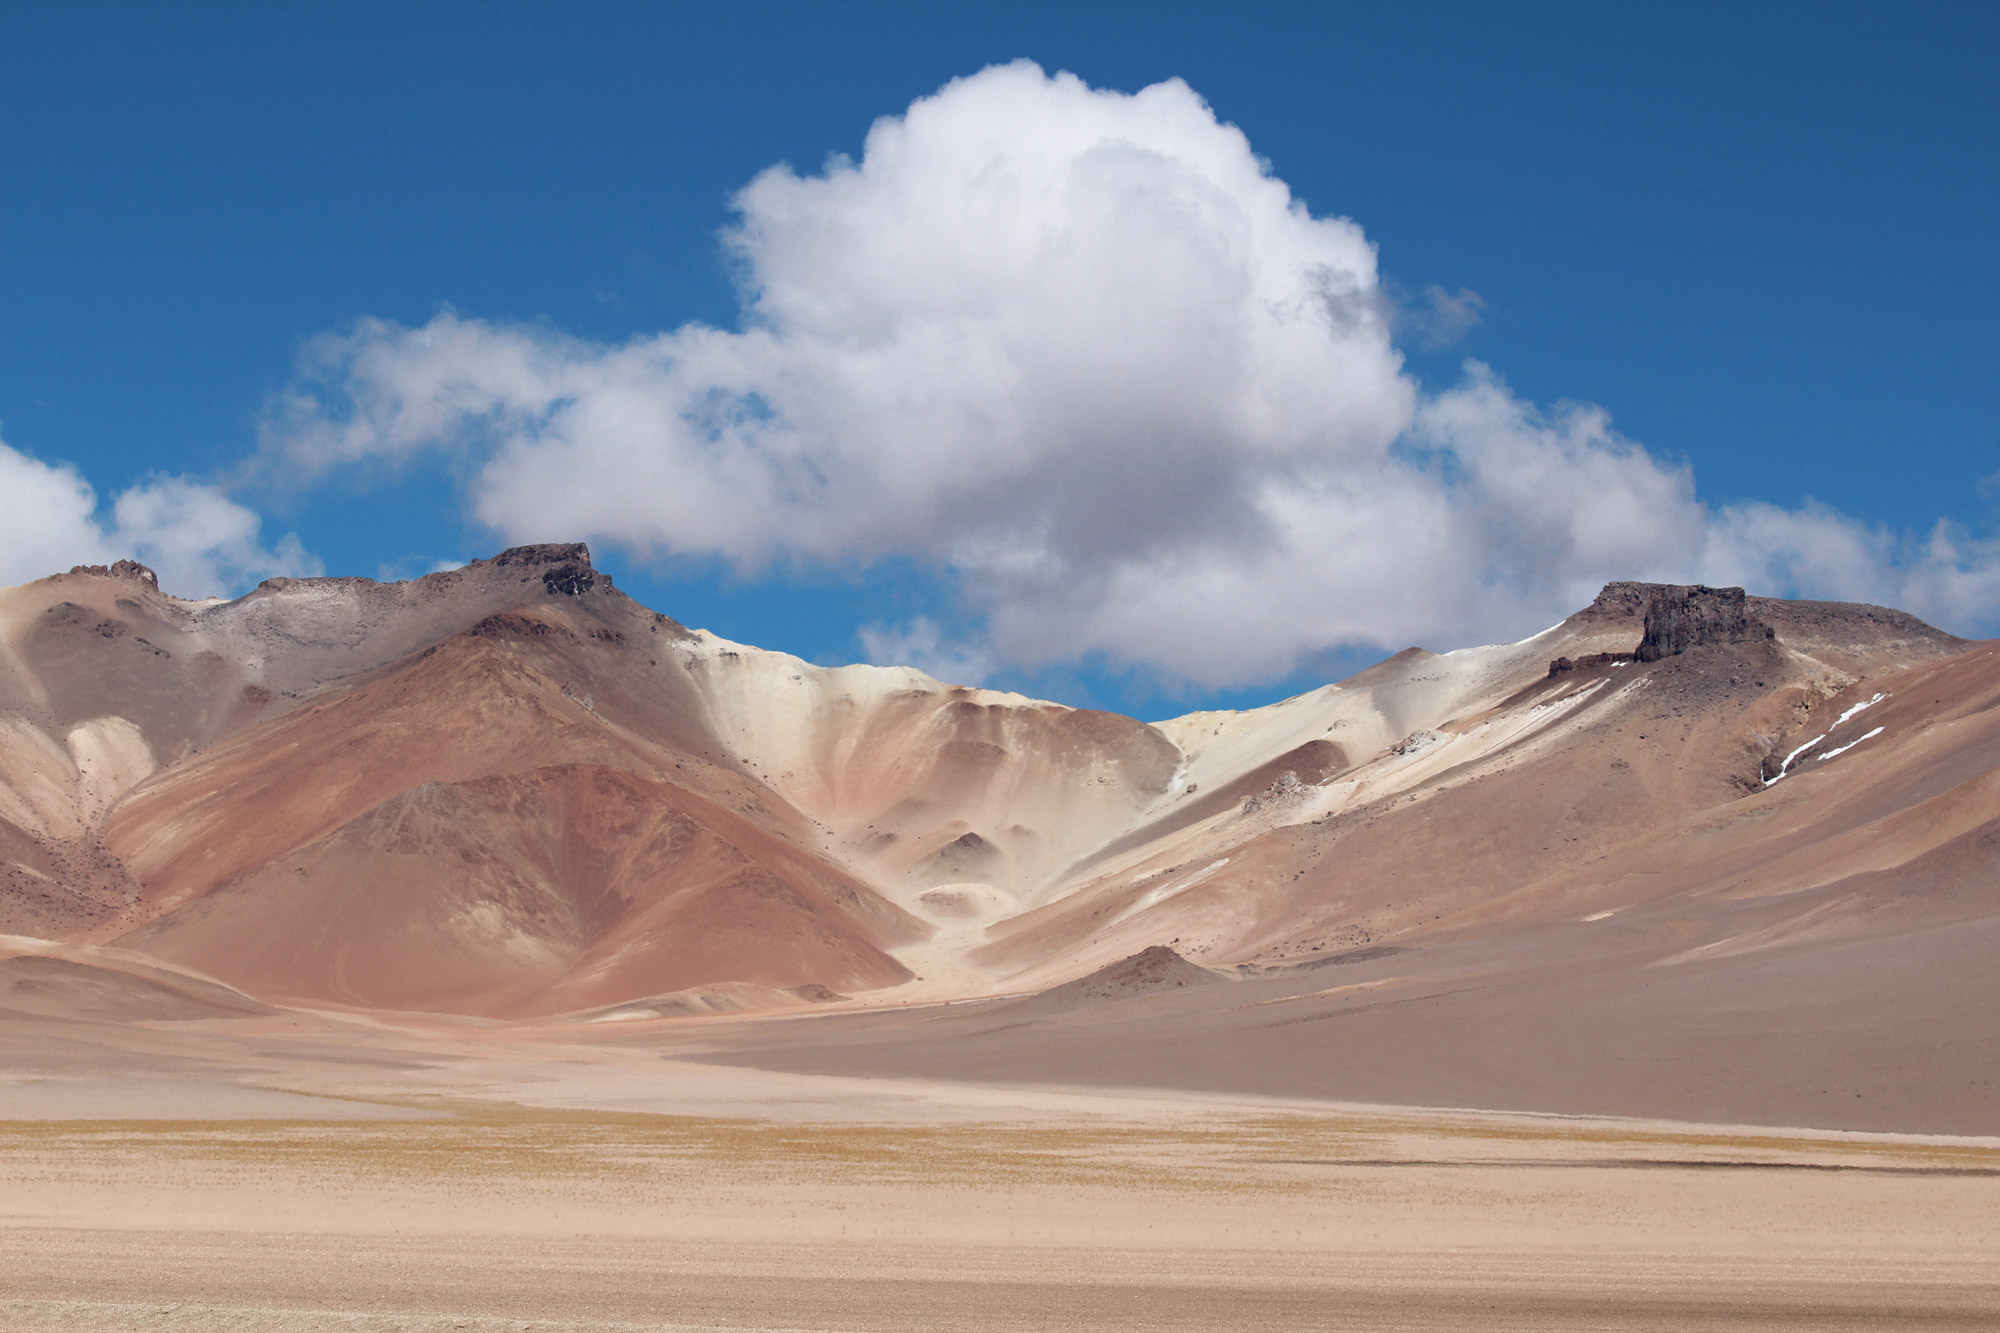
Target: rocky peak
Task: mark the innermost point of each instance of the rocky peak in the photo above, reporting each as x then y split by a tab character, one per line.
1674	617
1682	617
564	567
129	570
1621	601
547	553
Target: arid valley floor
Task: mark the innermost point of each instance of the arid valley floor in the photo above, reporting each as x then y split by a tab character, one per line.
426	1178
490	952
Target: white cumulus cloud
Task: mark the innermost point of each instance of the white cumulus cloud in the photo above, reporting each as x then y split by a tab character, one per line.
1083	349
199	541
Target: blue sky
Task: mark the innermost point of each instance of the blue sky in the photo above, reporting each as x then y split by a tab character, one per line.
1758	238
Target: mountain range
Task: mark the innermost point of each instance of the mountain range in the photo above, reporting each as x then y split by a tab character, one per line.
1688	853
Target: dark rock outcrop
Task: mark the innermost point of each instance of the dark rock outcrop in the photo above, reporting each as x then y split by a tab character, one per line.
547	553
130	570
1680	617
1673	617
564	566
1587	662
1619	603
569	580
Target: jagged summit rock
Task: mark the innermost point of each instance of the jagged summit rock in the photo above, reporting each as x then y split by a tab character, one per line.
1674	617
542	553
1682	617
129	570
564	567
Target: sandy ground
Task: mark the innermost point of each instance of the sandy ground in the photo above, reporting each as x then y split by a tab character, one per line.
308	1174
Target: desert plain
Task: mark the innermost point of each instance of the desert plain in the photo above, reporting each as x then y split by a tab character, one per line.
330	1174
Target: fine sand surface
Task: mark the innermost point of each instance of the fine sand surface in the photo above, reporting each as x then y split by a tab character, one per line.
312	1172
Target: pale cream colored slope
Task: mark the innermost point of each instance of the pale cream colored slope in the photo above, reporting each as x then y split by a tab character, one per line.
63	788
973	807
901	766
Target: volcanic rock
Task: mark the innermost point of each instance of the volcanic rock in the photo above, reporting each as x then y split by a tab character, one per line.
1680	618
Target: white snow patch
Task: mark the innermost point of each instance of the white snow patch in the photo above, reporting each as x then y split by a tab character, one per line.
1801	750
1543	635
1830	754
1866	703
1786	767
